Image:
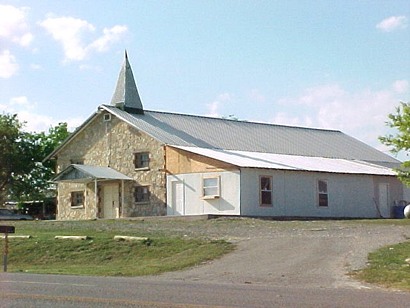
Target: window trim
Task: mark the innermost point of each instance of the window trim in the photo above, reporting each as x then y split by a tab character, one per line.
319	193
218	187
261	204
148	193
74	194
136	159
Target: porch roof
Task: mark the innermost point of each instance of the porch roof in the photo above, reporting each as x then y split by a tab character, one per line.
86	173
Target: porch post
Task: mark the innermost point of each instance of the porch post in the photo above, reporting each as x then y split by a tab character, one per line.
122	199
96	197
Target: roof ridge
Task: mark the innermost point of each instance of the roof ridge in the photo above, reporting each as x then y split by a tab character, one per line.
231	120
244	121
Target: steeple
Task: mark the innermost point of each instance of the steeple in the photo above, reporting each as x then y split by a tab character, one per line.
126	94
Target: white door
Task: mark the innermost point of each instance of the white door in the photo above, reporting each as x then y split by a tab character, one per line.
111	201
384	206
178	201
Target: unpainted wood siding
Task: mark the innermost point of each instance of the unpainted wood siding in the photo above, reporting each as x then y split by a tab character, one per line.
179	161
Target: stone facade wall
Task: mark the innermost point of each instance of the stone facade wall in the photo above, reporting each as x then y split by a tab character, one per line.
64	209
113	144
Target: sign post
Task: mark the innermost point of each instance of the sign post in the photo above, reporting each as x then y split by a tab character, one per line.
6	230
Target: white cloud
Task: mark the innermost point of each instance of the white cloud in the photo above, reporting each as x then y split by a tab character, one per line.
34	122
392	23
73	34
8	64
35	66
401	86
13	25
361	114
13	30
257	96
213	107
109	36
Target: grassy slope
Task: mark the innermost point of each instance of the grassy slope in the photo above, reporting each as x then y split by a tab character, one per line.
388	267
172	246
101	255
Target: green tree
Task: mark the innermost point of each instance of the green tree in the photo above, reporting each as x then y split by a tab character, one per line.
400	122
23	175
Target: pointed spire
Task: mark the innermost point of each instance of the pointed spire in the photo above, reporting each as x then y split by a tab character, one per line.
126	94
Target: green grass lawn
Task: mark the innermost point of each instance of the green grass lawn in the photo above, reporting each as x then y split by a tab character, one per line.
101	254
388	267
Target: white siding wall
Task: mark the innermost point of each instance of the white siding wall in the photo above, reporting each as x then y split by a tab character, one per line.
195	204
406	193
295	194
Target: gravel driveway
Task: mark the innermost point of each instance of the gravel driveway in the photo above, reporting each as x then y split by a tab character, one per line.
303	253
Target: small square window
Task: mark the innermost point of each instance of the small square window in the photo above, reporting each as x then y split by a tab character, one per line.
210	187
77	198
265	190
141	160
141	194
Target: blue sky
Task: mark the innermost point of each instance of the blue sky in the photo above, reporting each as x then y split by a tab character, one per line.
341	65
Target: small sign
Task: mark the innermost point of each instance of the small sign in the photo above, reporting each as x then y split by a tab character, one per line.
7	229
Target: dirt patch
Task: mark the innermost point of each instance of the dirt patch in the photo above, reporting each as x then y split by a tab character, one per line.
303	253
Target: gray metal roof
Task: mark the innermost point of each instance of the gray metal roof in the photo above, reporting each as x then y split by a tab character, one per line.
126	92
246	159
85	173
216	133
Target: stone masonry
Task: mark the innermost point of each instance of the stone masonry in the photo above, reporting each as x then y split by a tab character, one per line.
113	143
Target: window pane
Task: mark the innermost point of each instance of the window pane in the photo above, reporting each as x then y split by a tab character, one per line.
77	198
323	200
141	160
211	186
322	187
265	190
210	182
211	191
141	194
266	197
265	183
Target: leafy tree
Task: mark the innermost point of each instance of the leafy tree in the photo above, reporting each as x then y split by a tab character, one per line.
400	121
23	176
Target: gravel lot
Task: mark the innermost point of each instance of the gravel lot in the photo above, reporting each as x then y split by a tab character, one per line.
303	253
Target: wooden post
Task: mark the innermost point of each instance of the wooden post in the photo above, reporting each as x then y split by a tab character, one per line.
6	230
6	251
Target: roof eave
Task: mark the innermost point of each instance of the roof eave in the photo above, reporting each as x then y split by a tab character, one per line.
71	137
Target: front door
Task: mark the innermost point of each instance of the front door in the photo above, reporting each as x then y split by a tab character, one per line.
111	201
178	201
384	200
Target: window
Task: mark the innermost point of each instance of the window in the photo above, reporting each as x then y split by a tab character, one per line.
141	194
210	187
265	190
141	160
322	194
77	198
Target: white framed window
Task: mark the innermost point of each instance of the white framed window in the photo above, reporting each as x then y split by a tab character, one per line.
211	187
77	199
141	160
323	195
265	187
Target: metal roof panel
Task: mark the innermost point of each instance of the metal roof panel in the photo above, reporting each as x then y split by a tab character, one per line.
217	133
246	159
